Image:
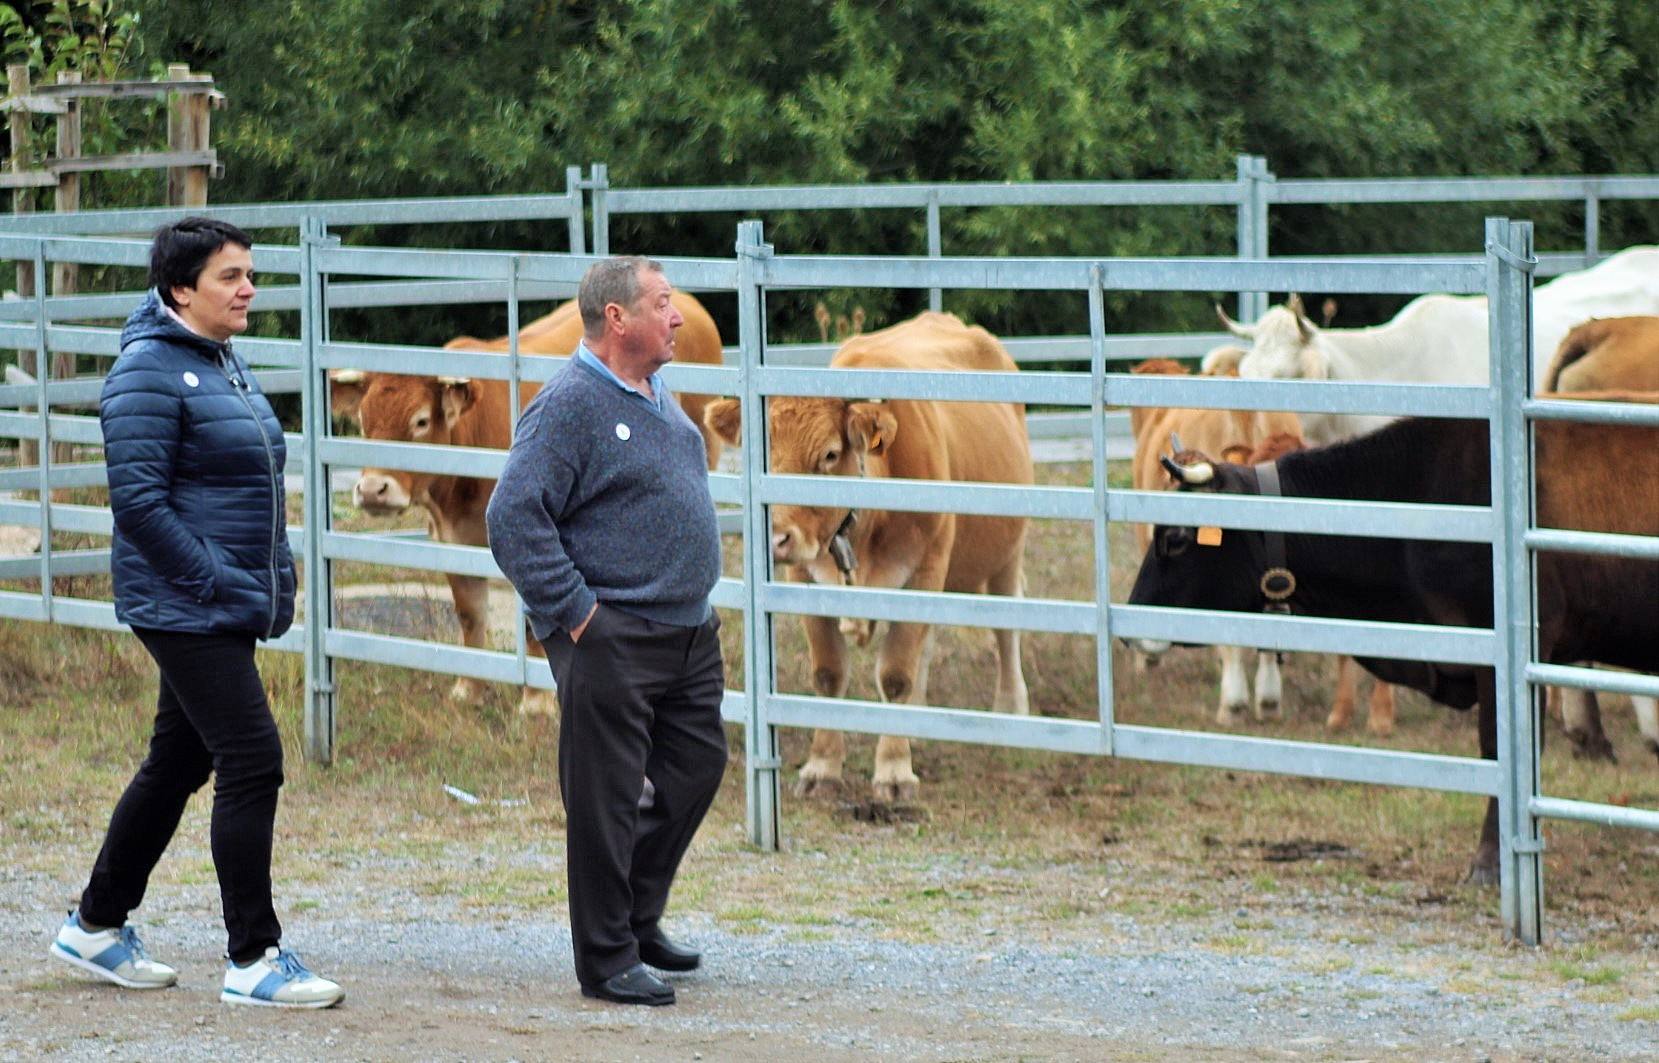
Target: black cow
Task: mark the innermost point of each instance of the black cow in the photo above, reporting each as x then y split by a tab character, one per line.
1590	608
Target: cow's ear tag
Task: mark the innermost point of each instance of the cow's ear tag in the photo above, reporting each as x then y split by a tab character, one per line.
1209	535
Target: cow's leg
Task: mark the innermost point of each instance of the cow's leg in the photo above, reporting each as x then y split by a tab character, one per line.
1235	688
1380	718
1581	720
1647	718
1012	695
472	610
1342	706
901	676
821	774
1483	870
1269	687
534	701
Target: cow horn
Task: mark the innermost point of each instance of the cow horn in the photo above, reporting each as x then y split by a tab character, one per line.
454	381
1234	327
1197	474
1303	325
346	376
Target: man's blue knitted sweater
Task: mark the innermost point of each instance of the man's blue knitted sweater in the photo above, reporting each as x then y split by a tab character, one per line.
605	499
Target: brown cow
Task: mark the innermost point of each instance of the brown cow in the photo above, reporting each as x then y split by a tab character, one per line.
908	439
1609	353
1618	353
474	413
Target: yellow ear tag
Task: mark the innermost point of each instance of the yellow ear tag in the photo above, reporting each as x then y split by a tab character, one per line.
1209	535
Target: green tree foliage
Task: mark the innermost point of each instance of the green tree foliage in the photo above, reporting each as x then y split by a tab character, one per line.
97	39
359	98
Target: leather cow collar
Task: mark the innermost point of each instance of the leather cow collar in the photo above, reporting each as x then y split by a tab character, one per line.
1277	582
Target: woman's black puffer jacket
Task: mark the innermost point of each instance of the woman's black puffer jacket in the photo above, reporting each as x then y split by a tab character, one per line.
195	458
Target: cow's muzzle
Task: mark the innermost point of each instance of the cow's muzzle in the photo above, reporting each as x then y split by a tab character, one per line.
376	492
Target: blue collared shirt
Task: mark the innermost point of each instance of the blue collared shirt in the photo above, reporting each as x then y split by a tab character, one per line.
655	379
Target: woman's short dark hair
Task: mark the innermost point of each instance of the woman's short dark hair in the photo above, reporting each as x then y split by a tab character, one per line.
182	248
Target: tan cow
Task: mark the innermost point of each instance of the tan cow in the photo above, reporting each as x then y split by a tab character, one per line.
474	413
908	439
1612	353
1607	354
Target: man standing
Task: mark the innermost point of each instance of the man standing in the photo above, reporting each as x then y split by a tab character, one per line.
603	521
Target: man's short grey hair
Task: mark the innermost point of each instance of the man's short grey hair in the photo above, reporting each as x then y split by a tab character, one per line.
615	280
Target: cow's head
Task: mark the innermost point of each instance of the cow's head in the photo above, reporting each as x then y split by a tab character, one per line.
1284	345
823	437
1201	568
403	409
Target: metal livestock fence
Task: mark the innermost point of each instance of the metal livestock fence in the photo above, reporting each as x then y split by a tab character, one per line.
1503	273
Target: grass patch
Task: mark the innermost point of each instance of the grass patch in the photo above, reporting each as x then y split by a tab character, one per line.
1640	1013
1569	971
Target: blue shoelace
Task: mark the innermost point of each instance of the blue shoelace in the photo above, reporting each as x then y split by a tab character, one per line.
129	938
290	967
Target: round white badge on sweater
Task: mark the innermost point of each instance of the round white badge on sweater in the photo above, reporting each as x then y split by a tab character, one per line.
622	432
192	379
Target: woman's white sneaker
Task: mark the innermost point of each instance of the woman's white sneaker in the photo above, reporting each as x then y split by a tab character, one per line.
278	980
115	955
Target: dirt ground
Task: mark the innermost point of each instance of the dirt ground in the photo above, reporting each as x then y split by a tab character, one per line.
957	930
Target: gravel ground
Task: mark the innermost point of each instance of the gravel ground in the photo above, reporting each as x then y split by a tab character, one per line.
430	979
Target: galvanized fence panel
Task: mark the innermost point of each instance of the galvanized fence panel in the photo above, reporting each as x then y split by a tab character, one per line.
750	274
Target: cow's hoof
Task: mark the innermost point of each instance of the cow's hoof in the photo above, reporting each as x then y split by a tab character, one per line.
896	791
538	702
1484	870
1231	714
1269	710
1338	719
1592	747
466	691
1380	728
818	787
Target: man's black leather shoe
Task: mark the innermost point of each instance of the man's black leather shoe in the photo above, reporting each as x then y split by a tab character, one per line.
664	955
636	985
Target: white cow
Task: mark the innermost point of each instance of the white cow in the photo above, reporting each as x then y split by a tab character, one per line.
1435	339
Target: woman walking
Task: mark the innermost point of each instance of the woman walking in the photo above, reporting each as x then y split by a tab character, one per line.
202	569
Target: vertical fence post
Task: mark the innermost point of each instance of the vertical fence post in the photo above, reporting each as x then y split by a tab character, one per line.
319	503
760	738
23	202
67	199
573	189
1509	268
44	448
186	131
514	368
1102	552
598	183
1592	226
1252	227
935	247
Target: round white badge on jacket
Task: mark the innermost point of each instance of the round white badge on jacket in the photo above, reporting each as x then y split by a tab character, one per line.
622	432
192	379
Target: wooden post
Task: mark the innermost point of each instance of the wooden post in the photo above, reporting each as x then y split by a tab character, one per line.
66	275
23	202
187	130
